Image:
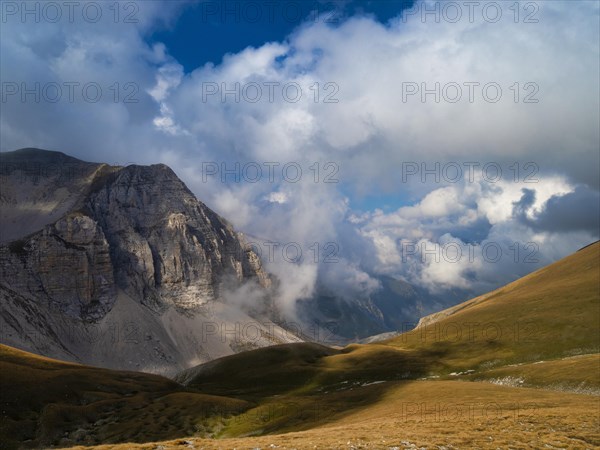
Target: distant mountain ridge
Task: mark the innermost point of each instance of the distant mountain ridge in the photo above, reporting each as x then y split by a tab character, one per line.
81	241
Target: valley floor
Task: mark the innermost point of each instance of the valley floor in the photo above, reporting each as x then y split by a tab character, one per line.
429	414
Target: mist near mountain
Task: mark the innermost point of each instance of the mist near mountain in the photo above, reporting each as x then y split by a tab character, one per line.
123	267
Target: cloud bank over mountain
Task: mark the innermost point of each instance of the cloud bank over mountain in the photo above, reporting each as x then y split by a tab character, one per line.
368	166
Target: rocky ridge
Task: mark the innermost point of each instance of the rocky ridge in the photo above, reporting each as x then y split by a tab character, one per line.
78	240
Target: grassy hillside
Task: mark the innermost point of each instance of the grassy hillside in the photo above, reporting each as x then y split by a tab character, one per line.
551	313
257	373
572	374
516	368
47	402
524	334
432	415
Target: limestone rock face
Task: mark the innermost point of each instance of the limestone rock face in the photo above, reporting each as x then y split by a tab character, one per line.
66	265
71	244
169	247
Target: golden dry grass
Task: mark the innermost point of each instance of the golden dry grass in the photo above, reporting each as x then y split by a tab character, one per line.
549	314
580	374
438	414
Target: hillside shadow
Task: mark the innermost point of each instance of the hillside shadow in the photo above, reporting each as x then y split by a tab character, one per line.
289	387
299	386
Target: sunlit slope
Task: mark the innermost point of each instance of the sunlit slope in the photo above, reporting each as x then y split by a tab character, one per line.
360	378
48	402
525	334
422	414
551	313
580	374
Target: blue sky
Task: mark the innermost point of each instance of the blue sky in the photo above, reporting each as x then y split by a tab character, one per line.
207	31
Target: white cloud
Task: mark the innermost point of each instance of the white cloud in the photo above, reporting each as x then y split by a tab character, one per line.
277	197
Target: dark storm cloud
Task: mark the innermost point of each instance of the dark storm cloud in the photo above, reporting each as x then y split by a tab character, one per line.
576	211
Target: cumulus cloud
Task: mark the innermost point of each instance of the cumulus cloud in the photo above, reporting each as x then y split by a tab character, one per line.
490	232
354	131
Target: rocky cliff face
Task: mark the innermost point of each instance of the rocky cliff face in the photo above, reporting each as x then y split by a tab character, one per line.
77	237
169	249
66	265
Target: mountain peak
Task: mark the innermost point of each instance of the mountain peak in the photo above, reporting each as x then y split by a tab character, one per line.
115	243
33	155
